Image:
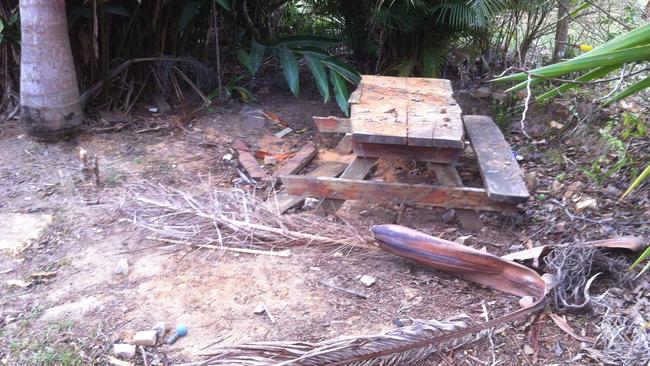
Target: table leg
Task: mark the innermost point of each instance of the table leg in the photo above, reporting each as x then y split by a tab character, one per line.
448	176
358	169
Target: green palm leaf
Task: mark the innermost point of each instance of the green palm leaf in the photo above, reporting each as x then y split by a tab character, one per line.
341	92
320	75
289	69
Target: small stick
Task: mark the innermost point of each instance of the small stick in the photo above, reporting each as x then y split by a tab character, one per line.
267	312
282	253
144	356
487	319
348	291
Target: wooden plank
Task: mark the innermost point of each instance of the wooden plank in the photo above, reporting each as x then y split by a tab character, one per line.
448	176
283	201
420	125
413	194
448	131
333	124
380	116
432	124
357	170
295	163
415	153
248	161
344	147
502	177
429	87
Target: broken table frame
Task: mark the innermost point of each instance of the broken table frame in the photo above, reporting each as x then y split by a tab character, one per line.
416	119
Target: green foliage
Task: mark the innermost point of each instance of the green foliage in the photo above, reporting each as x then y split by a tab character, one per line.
605	166
234	89
645	255
630	47
637	182
47	349
320	63
633	126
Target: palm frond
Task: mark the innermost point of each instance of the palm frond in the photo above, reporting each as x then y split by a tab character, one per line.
390	348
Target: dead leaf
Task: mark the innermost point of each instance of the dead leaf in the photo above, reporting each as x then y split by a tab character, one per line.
533	254
586	202
19	283
275	118
633	243
562	323
572	189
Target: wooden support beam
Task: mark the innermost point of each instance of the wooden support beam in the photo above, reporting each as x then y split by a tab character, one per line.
349	189
283	201
448	176
295	163
333	124
358	170
415	153
344	147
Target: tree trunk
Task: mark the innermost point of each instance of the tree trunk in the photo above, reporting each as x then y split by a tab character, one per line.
49	93
561	30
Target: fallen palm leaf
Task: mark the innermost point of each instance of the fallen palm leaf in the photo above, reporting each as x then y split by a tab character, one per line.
216	217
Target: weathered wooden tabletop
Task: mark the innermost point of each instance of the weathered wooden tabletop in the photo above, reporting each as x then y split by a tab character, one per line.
406	111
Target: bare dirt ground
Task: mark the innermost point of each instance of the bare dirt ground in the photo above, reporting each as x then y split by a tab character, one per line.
77	315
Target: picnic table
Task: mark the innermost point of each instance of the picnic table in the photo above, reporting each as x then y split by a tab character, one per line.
416	119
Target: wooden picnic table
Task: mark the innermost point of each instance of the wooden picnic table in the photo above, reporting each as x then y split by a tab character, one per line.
417	119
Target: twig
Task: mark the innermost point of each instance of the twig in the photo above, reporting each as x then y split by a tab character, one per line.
216	44
489	333
348	291
526	102
268	313
144	356
282	253
573	217
627	27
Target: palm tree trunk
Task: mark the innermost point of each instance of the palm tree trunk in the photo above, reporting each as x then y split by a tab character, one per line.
49	94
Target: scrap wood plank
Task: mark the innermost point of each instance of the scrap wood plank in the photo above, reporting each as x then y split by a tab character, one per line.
248	161
415	194
283	201
358	169
333	124
295	163
502	177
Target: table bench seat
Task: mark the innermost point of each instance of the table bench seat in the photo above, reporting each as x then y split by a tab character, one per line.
502	177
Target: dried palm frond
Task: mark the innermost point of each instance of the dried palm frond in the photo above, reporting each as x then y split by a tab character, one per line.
386	349
228	217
